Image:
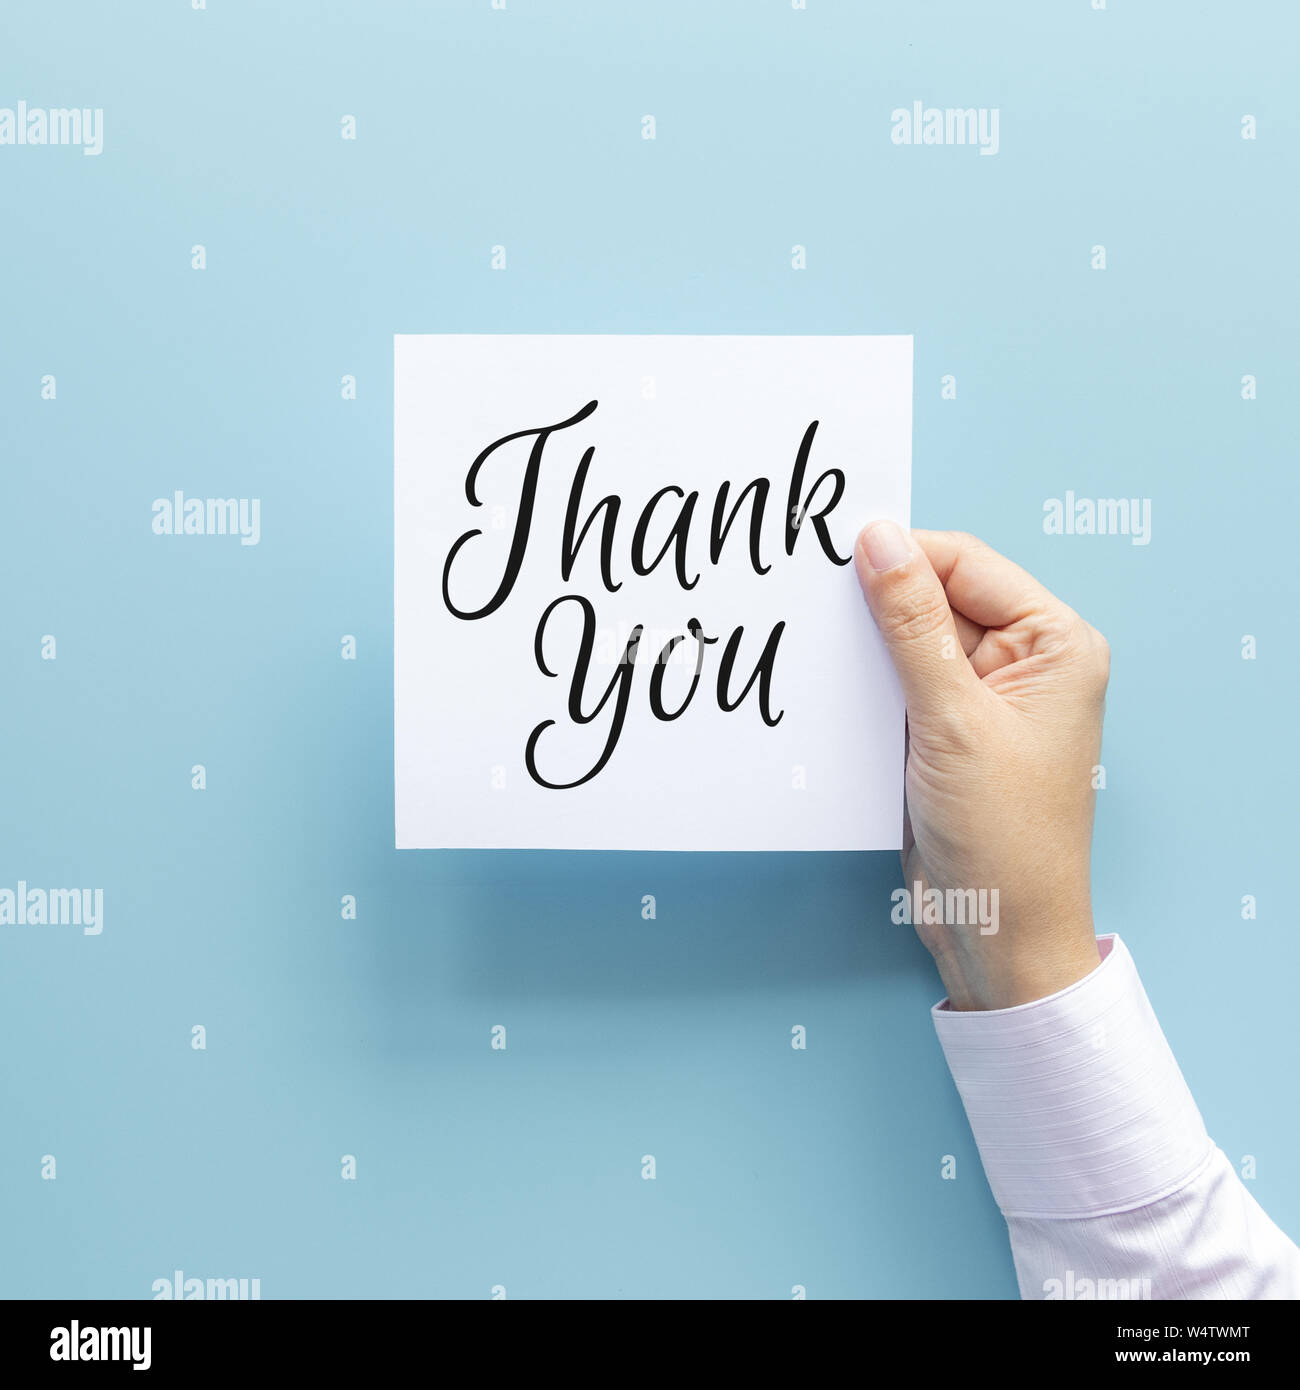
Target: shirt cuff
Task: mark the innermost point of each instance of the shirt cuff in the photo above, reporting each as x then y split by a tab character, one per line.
1075	1100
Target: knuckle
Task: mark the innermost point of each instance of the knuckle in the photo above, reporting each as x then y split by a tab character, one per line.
1059	631
916	614
1094	655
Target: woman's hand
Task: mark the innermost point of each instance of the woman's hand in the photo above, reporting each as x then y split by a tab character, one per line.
1005	688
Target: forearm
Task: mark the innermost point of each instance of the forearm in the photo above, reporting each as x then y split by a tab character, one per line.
1209	1239
1098	1156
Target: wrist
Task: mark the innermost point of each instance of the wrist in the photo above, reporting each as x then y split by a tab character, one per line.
1002	975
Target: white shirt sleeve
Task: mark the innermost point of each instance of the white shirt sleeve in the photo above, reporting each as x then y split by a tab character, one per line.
1097	1154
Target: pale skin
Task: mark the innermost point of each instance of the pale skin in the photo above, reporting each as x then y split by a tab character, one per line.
1005	688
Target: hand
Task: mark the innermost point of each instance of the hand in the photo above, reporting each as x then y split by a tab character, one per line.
1005	688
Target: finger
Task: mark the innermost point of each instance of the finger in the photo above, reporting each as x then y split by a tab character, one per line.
986	587
912	612
1001	647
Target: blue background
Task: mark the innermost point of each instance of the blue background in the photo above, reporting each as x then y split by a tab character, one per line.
371	1037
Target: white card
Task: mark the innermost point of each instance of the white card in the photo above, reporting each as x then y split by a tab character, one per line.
775	722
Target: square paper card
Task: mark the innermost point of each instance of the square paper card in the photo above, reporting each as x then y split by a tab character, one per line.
626	614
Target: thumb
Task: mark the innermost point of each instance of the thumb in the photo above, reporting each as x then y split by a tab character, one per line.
911	610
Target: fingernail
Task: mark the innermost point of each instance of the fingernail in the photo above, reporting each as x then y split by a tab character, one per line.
886	546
